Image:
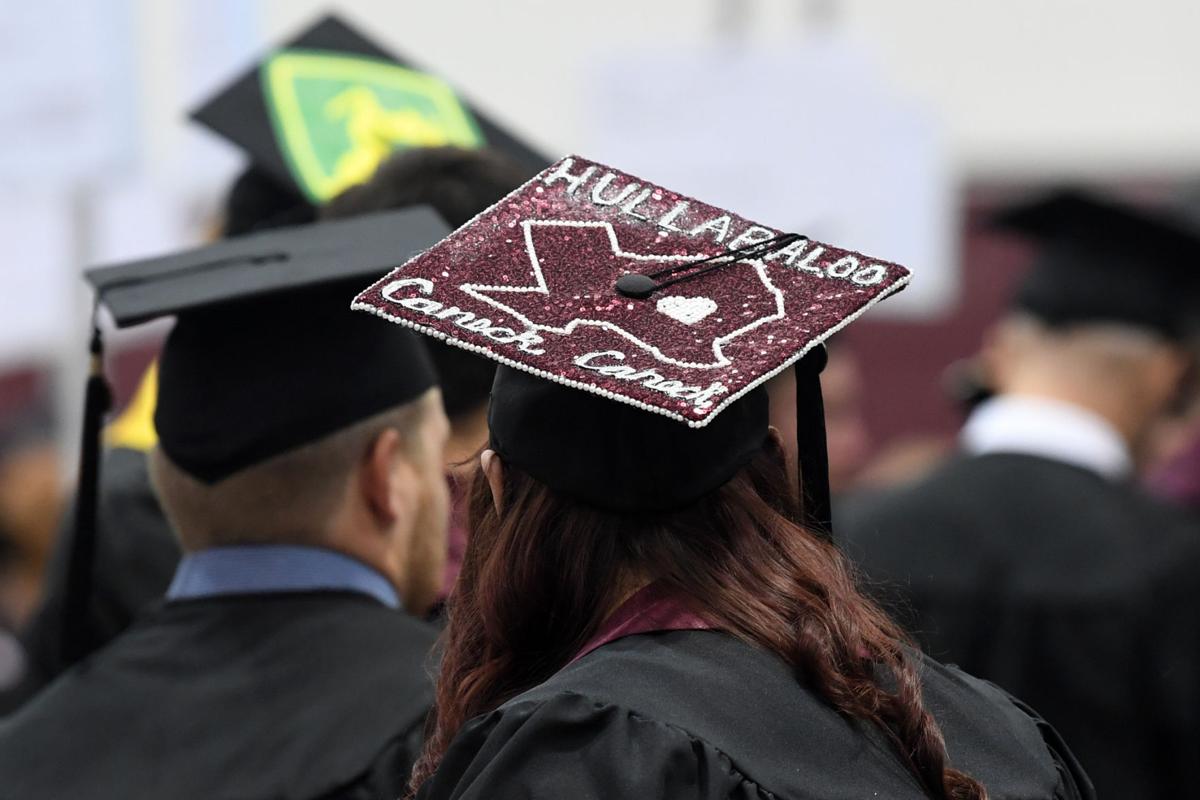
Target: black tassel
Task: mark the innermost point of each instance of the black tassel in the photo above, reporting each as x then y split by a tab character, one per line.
812	450
77	641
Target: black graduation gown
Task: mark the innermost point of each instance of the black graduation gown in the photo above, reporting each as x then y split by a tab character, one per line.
1076	594
704	716
258	697
136	556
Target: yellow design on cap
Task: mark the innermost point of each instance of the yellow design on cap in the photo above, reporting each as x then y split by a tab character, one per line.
337	116
134	428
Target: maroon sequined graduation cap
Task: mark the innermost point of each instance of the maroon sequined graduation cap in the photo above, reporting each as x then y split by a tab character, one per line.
592	278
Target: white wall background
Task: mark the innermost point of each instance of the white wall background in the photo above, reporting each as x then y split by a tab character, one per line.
1024	87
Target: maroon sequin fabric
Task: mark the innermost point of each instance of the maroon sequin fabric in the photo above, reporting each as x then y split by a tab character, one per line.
531	282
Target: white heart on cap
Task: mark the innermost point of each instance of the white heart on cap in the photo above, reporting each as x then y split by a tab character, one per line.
688	310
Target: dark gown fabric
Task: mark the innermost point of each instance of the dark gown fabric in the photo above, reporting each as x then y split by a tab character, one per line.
136	556
704	716
1076	594
257	697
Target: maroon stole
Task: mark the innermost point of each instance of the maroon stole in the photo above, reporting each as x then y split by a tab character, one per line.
651	609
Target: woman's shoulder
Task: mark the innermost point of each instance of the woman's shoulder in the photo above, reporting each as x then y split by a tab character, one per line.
626	720
566	744
700	714
746	704
987	730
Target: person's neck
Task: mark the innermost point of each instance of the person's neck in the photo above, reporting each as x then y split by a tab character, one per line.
353	535
343	545
1048	427
628	584
1115	406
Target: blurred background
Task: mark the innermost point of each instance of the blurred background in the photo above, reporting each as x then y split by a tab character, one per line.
889	127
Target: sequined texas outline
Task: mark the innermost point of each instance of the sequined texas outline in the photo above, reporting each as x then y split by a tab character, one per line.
476	290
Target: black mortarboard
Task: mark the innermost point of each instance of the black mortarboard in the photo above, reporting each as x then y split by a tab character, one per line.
258	360
264	356
320	112
615	455
1103	261
266	263
635	327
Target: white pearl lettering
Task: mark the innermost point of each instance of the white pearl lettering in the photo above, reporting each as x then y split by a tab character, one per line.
527	341
563	173
630	207
701	397
752	235
719	226
806	263
668	220
621	196
633	200
422	304
869	275
844	267
424	286
790	253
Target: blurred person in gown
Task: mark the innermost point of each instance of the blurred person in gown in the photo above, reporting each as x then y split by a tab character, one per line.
1033	558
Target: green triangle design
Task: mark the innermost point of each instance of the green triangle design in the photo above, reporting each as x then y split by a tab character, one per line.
337	116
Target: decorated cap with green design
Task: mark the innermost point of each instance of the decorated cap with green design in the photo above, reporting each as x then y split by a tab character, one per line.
324	109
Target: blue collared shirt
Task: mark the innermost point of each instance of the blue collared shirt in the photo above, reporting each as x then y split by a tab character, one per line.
269	568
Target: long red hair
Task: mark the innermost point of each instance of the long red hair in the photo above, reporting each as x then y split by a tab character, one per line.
539	579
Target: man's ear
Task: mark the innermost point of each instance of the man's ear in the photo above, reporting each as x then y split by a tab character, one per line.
380	476
493	470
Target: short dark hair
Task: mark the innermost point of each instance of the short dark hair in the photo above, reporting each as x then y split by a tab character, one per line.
256	201
458	184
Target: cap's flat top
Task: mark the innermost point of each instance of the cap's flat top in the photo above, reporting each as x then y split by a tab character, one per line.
271	262
321	111
531	283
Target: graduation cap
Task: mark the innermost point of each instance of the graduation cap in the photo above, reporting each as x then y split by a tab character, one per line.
321	112
1105	261
264	356
634	327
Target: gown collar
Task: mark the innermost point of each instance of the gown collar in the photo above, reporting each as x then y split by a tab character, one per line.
651	609
274	568
1050	429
